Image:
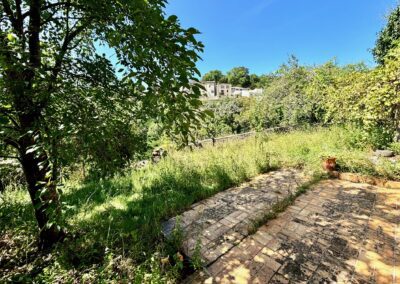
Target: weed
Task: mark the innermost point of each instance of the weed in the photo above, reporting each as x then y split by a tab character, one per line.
196	261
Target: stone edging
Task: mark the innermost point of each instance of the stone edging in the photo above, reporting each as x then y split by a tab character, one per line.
358	178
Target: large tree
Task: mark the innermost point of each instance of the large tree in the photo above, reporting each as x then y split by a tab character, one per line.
55	84
213	75
239	76
388	36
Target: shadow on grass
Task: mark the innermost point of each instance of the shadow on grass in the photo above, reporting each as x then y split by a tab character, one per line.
114	215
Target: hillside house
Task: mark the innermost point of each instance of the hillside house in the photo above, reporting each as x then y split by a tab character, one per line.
213	90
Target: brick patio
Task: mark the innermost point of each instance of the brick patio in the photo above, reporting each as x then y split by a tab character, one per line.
221	222
338	232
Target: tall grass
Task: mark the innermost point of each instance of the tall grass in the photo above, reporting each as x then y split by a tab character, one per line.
114	225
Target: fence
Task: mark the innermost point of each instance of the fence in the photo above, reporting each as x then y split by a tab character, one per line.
214	141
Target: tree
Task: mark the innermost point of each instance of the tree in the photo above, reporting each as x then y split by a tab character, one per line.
225	118
333	90
254	81
239	76
287	97
57	89
265	80
388	36
371	99
214	75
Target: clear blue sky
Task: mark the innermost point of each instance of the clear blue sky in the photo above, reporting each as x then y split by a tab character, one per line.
261	34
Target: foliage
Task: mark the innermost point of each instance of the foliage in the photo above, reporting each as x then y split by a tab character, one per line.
214	75
285	102
115	224
66	111
63	102
329	93
265	80
254	81
226	118
259	114
369	98
239	76
287	96
388	36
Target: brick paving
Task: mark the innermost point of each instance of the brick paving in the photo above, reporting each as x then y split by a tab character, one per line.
221	222
338	232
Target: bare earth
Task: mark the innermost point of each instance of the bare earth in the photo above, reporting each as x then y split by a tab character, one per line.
338	232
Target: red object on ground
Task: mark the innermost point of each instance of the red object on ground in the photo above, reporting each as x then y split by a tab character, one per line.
329	164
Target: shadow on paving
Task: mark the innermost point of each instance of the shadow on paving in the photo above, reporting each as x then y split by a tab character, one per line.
217	224
338	232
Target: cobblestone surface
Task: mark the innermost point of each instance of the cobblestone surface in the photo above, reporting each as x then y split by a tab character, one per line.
338	232
219	223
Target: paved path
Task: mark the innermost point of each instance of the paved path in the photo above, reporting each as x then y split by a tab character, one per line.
221	222
338	232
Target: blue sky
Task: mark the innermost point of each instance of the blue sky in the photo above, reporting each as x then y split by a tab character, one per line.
261	34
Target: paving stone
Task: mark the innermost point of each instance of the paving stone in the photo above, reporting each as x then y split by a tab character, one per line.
267	261
263	237
264	275
295	271
227	223
220	265
338	232
250	247
278	279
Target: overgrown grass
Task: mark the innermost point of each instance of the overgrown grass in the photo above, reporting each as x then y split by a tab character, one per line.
114	225
308	148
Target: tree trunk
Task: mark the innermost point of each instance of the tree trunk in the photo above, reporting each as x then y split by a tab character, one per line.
42	190
29	105
2	186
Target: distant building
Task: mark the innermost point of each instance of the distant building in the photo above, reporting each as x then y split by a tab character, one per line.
256	92
213	90
240	92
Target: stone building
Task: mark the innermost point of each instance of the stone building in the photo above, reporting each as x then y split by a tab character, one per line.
213	90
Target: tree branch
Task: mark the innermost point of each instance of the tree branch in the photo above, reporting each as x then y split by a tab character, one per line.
34	30
16	22
8	127
54	5
20	22
9	157
64	48
9	13
7	113
9	141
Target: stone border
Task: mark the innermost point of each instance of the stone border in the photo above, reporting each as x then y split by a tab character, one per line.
358	178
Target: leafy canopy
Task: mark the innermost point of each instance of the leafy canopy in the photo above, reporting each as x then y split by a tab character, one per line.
213	75
388	36
239	76
52	71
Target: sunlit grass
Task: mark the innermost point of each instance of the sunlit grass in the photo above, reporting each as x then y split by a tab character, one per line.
117	221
